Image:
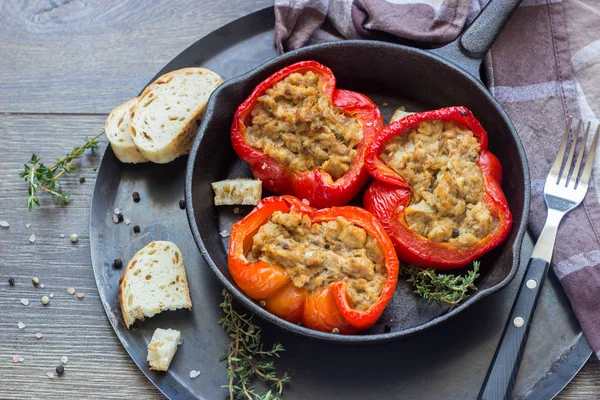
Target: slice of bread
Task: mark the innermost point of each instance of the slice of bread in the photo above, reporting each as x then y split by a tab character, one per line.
162	348
154	281
117	131
237	191
165	120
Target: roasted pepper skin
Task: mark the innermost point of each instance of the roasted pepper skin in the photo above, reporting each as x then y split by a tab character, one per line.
326	308
316	186
390	194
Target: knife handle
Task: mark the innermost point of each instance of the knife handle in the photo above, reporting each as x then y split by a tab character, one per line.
501	376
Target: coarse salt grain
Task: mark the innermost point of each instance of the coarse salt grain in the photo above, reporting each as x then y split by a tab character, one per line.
305	201
71	290
236	210
32	238
50	375
74	238
80	295
4	224
117	211
21	325
51	295
21	359
64	359
224	233
38	335
16	358
25	302
62	235
194	374
42	285
27	226
127	221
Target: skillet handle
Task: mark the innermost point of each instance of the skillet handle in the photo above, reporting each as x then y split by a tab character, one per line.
471	47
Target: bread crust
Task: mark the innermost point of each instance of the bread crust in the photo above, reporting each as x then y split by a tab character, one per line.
124	148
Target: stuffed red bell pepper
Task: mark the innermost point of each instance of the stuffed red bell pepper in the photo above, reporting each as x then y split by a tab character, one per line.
302	136
332	270
437	188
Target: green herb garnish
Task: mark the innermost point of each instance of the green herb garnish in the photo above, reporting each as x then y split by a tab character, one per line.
246	358
442	288
46	178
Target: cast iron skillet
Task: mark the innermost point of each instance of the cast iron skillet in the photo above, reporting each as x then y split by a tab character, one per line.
443	77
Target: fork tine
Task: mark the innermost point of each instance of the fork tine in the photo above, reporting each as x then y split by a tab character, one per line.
580	156
564	178
587	169
561	152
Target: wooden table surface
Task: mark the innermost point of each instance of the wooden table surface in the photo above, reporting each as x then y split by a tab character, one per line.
63	66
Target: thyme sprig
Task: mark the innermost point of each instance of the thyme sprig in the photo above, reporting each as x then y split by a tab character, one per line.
246	358
442	288
46	179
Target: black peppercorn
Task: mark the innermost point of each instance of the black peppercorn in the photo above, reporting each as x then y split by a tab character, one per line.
118	263
136	197
327	246
455	233
11	281
82	179
386	328
119	217
182	204
136	229
60	370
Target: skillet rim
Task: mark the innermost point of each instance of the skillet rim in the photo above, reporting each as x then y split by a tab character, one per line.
326	336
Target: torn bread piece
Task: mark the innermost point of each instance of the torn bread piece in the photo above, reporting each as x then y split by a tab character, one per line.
117	132
162	348
154	281
399	114
165	120
237	191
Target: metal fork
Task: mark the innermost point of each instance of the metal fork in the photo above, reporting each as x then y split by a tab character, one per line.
564	190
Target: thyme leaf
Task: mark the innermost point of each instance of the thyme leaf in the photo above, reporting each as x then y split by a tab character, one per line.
442	288
47	179
246	357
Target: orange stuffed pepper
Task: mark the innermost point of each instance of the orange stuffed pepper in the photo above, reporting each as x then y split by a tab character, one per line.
333	270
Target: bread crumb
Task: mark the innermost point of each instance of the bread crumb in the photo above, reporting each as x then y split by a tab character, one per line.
194	374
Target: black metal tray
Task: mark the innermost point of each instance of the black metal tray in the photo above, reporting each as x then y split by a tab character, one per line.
448	361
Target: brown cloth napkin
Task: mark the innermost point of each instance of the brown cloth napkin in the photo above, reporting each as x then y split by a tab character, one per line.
529	72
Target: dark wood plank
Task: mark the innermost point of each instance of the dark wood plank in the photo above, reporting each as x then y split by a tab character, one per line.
61	56
585	384
98	366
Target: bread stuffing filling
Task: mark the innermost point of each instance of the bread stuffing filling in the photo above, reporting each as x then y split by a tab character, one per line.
317	255
438	160
296	124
